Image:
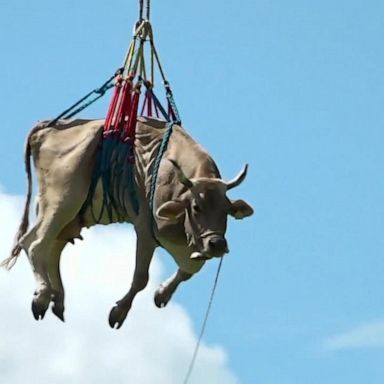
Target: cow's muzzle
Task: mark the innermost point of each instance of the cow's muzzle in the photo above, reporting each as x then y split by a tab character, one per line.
214	246
217	246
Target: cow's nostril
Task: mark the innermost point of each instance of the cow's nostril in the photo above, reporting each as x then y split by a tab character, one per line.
218	244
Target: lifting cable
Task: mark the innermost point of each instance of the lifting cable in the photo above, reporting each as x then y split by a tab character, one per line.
141	10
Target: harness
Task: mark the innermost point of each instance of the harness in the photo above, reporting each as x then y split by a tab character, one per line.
115	164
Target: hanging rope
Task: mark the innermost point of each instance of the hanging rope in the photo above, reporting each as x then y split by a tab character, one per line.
204	325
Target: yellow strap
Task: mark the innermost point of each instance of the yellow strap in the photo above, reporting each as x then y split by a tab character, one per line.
129	56
143	72
138	55
152	68
157	60
135	58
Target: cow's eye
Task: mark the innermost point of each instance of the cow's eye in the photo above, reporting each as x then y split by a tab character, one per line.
196	207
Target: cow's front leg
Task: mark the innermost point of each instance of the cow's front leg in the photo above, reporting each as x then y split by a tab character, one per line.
168	287
53	270
145	246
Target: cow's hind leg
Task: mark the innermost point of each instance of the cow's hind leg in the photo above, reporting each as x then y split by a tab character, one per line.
37	254
30	242
144	253
41	244
168	288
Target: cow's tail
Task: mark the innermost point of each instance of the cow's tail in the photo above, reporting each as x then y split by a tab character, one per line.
9	262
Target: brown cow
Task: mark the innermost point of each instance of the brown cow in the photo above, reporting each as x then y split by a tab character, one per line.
188	218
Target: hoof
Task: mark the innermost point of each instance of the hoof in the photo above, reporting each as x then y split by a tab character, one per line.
40	305
57	299
58	310
161	297
117	316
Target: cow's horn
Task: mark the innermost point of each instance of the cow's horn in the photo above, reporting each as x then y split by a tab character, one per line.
238	179
180	174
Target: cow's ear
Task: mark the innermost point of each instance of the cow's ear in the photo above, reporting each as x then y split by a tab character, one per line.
240	209
171	210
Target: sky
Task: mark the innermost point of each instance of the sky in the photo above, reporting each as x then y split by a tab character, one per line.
295	89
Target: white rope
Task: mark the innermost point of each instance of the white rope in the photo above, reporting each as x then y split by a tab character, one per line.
193	360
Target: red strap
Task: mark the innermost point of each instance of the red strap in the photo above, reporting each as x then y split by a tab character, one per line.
124	106
112	105
129	126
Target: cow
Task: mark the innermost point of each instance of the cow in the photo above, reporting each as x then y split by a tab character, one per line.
188	216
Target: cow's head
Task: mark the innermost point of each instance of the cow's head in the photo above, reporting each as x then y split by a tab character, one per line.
203	210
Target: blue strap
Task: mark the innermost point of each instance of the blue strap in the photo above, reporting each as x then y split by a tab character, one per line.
155	173
71	111
170	99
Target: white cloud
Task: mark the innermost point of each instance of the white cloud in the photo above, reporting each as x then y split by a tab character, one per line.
153	346
369	335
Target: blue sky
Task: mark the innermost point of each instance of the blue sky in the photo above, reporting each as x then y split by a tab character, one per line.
293	88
